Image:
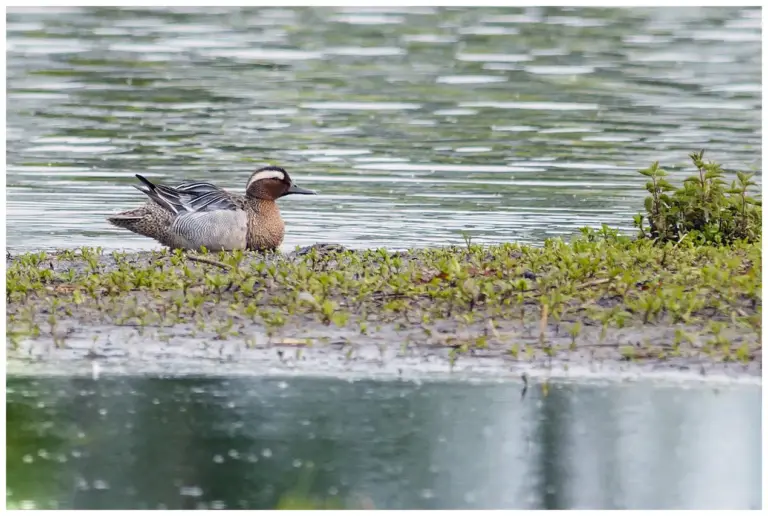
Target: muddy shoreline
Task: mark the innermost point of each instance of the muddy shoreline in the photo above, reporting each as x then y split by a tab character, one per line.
120	351
607	307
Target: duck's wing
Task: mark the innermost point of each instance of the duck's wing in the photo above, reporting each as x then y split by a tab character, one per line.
199	187
187	197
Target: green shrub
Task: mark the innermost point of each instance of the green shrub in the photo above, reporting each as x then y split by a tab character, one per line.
704	209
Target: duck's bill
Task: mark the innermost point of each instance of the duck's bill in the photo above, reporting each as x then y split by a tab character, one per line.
299	190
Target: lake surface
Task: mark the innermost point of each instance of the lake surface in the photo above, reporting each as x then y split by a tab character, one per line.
414	124
143	442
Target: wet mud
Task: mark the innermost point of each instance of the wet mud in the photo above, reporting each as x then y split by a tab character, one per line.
501	310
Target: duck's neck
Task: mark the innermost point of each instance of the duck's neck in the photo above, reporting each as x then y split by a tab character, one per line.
265	226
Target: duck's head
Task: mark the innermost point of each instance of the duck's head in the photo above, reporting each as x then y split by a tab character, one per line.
271	183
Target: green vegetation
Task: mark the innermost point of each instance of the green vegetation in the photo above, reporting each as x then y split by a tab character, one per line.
601	279
522	302
704	209
302	502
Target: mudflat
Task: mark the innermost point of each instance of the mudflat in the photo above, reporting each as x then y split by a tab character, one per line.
600	300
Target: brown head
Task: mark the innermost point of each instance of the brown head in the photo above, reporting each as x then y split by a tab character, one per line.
271	183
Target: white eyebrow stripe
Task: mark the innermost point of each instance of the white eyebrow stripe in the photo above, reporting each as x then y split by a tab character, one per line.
265	174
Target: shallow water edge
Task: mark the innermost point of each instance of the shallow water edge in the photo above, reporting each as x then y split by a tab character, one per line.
413	370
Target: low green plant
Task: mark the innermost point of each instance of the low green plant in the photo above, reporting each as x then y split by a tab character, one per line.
704	209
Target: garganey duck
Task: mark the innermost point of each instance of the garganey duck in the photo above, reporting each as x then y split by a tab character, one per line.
194	214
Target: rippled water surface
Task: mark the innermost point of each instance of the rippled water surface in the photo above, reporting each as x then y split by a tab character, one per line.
140	442
415	124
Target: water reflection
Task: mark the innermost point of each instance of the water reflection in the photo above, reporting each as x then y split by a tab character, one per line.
545	108
260	443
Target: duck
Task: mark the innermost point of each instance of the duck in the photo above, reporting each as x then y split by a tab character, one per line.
193	214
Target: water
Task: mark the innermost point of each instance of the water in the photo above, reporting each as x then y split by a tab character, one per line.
140	442
415	124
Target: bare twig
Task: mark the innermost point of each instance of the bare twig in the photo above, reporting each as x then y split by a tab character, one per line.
209	262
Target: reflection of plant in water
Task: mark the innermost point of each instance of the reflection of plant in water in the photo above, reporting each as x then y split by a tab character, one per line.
295	501
35	458
300	497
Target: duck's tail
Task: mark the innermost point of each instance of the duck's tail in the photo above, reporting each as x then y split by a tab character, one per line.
128	219
135	220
